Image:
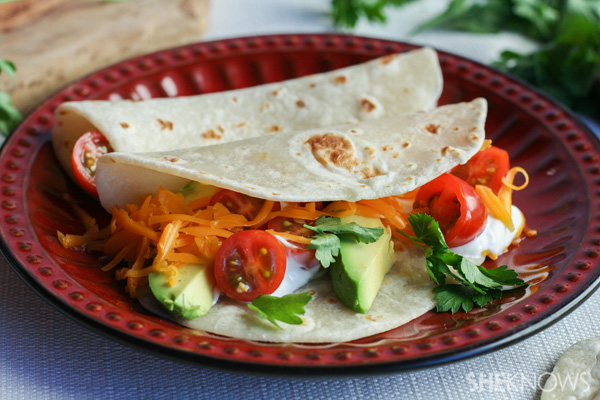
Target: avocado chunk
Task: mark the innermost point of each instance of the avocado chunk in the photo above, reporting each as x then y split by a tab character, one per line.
358	271
191	296
196	190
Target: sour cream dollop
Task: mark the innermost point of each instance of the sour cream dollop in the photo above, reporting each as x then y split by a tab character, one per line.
300	268
493	240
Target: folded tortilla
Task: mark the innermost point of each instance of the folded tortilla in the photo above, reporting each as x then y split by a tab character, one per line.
366	160
387	86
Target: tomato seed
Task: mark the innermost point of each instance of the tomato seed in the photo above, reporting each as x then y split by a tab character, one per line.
263	251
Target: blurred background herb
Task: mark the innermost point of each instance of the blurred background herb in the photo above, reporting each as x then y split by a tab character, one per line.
9	115
567	63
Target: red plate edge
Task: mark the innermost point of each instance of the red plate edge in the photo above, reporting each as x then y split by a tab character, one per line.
573	280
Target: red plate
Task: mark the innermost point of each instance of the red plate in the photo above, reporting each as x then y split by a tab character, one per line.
562	203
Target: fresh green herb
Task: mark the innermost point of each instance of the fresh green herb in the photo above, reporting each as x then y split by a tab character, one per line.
327	242
476	284
9	114
346	13
285	309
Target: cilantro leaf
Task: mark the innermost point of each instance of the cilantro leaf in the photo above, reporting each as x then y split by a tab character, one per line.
327	248
8	68
327	242
476	284
335	226
454	297
285	309
9	115
346	13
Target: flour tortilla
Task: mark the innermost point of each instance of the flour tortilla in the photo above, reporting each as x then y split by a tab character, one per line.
351	162
371	159
383	87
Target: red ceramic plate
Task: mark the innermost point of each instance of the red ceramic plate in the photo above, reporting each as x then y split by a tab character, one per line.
562	203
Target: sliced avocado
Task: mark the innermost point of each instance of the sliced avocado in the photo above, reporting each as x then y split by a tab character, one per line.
196	190
358	271
191	296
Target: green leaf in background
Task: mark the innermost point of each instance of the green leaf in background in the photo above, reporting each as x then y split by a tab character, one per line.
8	68
9	115
346	13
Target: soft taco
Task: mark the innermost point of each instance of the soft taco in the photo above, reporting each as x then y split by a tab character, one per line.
311	215
391	85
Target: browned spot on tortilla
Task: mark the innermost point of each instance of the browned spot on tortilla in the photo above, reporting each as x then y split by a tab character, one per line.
220	128
312	85
211	134
124	125
474	137
341	79
370	172
275	194
112	160
62	112
395	155
432	128
405	144
241	124
353	131
274	128
438	159
171	159
165	124
387	148
406	90
298	154
409	178
455	128
330	149
250	187
444	150
234	99
367	105
363	186
387	59
275	92
266	106
331	300
370	318
300	104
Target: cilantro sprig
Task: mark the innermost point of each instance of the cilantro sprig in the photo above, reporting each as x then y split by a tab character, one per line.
476	284
9	114
327	242
285	309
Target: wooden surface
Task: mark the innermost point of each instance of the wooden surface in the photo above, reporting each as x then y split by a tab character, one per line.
53	42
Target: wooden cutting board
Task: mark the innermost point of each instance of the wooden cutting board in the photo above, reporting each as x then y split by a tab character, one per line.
53	42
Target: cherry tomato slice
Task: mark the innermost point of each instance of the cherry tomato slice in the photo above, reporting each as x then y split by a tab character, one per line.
455	205
487	167
249	264
238	203
88	148
292	226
